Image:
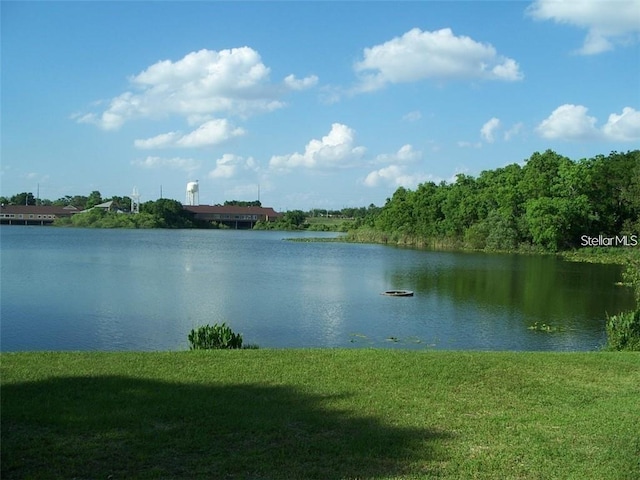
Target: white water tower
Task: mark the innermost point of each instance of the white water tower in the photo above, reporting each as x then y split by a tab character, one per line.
193	197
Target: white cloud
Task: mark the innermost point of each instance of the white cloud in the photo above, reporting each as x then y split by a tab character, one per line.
228	165
412	116
396	176
336	149
625	127
607	22
159	141
212	132
300	84
489	128
233	81
513	131
440	54
396	173
571	122
175	163
406	154
387	174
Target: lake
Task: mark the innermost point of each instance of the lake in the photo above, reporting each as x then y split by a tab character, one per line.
113	290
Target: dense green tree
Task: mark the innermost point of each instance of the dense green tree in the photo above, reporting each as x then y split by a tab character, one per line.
95	198
24	198
241	203
613	191
295	218
556	223
121	203
549	203
541	174
169	213
397	214
78	201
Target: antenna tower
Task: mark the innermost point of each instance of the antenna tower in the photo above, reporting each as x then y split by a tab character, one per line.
135	201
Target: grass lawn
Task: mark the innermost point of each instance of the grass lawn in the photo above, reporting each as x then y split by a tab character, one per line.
320	414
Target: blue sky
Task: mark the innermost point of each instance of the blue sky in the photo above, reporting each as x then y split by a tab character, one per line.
317	104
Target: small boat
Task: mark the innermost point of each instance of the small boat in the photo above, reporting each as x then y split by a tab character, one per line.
398	293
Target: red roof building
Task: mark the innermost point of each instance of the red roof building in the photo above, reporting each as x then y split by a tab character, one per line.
232	215
33	214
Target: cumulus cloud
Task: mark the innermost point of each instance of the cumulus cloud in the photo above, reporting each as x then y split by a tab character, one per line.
300	84
396	176
212	132
607	22
571	122
336	149
175	163
419	55
228	165
625	127
233	81
396	173
489	128
406	154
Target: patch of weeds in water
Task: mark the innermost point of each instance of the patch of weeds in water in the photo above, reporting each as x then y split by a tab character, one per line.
543	327
360	338
412	340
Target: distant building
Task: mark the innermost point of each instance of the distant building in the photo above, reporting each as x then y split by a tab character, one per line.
233	216
34	214
109	206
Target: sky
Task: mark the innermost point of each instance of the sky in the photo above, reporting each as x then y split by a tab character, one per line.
305	105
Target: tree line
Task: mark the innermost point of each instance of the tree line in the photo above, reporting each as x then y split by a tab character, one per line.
551	203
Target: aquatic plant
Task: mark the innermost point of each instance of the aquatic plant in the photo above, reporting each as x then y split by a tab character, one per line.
543	327
623	331
214	337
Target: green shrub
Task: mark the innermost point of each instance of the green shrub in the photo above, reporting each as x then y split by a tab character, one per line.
623	331
631	276
214	337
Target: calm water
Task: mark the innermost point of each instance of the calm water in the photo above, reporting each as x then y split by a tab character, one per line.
77	289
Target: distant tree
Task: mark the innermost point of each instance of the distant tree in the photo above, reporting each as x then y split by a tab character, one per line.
95	198
23	198
122	203
169	213
241	203
294	218
78	201
541	173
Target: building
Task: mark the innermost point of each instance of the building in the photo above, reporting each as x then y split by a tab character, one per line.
232	215
34	214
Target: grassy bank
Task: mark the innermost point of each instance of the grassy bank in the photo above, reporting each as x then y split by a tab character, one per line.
609	255
325	414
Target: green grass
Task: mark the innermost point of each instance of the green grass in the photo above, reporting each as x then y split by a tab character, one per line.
320	414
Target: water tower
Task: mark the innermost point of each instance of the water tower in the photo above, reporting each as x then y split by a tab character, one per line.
192	193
